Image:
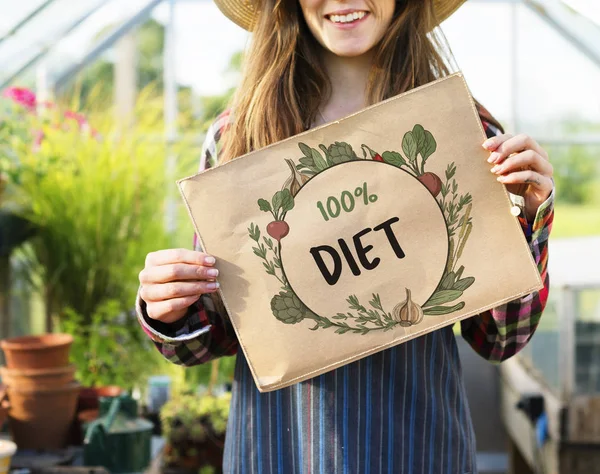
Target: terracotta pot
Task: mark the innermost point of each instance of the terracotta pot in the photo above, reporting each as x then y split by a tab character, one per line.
32	378
41	418
89	397
37	352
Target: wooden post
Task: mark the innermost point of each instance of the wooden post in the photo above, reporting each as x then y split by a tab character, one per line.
214	375
516	461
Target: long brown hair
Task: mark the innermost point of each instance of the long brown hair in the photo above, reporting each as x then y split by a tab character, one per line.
284	81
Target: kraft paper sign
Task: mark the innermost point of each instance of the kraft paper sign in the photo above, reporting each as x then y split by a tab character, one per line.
361	234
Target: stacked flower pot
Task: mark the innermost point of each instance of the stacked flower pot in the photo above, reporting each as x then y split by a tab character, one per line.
41	389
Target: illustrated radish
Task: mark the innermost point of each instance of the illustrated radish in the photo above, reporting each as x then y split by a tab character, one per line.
432	182
278	230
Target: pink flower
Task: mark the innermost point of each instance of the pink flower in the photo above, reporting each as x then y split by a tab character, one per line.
21	96
38	139
80	119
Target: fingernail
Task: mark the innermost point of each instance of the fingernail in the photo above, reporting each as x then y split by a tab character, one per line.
488	144
209	260
493	157
495	169
500	178
213	286
213	272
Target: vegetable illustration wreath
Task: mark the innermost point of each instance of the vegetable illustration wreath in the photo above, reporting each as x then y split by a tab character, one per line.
418	146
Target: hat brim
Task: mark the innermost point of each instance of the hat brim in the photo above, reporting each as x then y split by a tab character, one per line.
244	13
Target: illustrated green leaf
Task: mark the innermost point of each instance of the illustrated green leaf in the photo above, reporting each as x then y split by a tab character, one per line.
254	232
287	200
320	163
409	146
277	199
264	205
447	282
308	163
418	133
442	297
441	310
460	272
305	150
308	160
394	158
429	145
463	284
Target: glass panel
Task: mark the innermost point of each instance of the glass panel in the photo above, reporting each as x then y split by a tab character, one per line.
530	76
557	94
39	34
587	342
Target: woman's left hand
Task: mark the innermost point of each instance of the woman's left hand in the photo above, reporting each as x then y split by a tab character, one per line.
522	165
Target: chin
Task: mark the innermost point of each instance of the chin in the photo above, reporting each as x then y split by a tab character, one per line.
350	51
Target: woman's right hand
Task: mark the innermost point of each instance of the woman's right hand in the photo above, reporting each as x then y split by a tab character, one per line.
173	280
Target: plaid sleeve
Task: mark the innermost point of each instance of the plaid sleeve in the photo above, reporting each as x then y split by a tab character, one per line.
500	333
206	332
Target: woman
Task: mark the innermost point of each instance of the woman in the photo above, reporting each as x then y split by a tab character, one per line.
401	410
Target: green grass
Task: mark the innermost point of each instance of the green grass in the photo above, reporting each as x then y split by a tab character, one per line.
576	221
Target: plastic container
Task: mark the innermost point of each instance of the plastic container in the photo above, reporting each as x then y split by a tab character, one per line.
7	451
159	392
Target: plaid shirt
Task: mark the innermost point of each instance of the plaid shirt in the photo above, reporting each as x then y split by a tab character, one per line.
401	410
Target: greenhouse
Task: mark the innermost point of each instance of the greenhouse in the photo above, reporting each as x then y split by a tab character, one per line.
119	97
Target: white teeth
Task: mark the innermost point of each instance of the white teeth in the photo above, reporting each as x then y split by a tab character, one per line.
350	17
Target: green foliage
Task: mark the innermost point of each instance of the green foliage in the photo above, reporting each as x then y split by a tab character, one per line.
109	349
194	417
576	173
576	220
98	203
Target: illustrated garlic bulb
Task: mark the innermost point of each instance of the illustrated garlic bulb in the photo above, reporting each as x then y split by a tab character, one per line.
408	313
296	179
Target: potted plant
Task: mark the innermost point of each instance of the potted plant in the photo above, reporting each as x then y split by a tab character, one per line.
194	430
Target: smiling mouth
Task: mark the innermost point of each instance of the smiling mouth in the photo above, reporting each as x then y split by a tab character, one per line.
351	17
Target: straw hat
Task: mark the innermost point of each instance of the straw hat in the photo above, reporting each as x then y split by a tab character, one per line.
243	12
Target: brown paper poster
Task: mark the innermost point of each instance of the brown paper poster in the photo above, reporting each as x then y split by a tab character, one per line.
361	234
